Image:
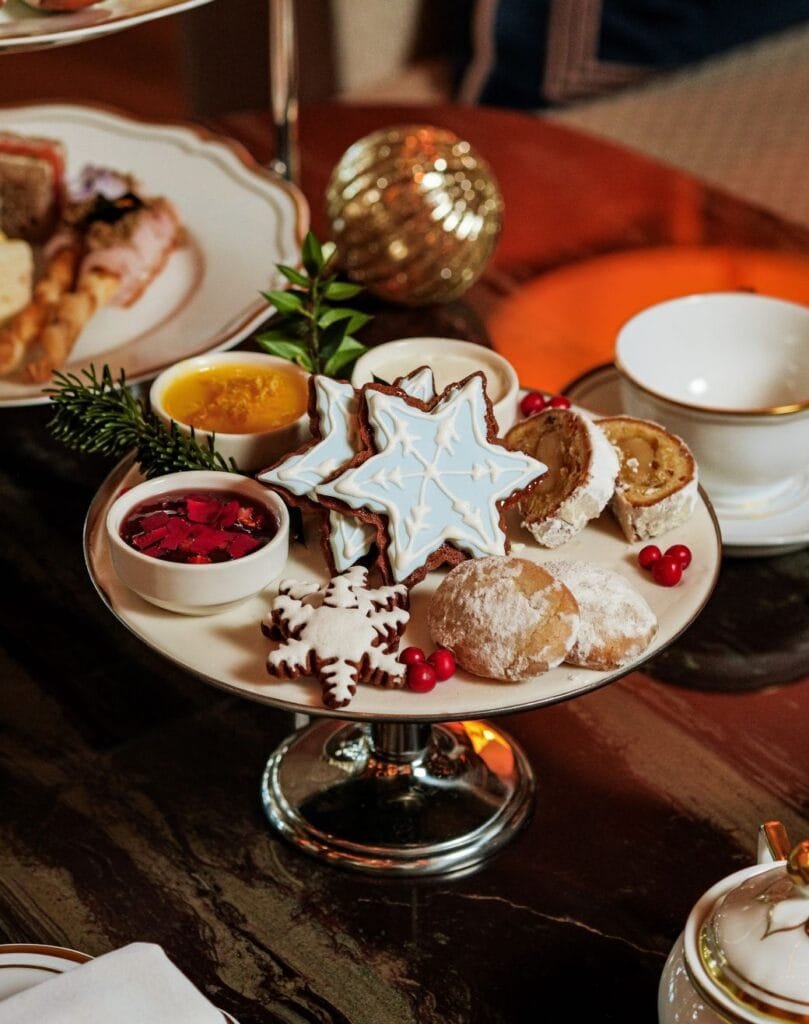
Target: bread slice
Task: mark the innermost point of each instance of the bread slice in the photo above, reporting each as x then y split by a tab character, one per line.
582	468
31	183
657	484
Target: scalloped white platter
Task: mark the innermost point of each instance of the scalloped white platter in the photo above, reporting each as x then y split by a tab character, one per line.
23	28
239	221
229	651
23	966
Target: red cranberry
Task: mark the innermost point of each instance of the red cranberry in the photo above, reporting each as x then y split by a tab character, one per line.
667	571
421	677
559	402
682	553
412	656
649	555
443	662
532	403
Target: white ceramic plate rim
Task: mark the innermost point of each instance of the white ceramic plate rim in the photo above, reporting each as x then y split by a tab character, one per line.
51	959
281	220
22	28
235	637
753	538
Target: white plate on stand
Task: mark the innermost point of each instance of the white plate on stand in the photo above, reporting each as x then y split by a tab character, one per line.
229	651
745	533
23	28
239	221
23	966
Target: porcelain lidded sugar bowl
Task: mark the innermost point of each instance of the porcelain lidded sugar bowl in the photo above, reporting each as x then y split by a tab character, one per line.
744	954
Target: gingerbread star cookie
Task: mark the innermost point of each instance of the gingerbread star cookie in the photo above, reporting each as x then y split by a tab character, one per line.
434	480
336	440
342	632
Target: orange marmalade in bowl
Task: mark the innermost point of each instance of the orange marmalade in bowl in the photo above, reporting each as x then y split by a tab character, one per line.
229	398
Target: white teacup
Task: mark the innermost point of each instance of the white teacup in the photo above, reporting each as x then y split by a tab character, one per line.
729	373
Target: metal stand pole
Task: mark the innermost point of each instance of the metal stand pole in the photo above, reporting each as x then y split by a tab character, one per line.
284	89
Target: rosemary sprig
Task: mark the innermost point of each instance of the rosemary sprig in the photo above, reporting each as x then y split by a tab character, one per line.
103	416
311	327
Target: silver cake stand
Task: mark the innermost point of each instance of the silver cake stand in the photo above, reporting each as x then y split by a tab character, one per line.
399	783
399	798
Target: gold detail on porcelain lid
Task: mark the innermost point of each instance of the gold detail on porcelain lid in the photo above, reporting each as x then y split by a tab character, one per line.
798	866
754	942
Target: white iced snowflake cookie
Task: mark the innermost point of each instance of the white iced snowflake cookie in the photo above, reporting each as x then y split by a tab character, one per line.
341	632
616	625
657	485
504	617
582	467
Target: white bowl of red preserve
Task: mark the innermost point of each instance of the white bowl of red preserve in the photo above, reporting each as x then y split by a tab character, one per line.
197	542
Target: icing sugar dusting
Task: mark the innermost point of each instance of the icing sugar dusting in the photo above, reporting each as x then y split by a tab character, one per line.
488	604
616	622
645	522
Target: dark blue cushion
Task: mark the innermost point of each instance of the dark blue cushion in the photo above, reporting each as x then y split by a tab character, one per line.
547	52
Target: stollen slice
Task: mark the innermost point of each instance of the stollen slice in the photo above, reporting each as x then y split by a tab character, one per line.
658	481
582	468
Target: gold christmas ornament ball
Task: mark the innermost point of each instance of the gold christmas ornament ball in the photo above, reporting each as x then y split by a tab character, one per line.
415	213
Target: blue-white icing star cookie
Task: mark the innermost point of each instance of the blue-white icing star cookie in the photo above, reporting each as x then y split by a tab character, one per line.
335	429
337	440
437	477
418	384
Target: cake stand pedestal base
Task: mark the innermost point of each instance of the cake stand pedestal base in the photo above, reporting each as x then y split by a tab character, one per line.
398	798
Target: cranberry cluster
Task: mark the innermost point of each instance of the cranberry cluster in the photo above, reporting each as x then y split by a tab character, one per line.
666	568
535	402
423	672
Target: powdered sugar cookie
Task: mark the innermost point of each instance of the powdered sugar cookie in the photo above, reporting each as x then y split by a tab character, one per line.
504	617
582	467
434	477
616	622
341	632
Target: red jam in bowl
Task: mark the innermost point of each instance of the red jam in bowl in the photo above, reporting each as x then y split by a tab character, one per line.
198	527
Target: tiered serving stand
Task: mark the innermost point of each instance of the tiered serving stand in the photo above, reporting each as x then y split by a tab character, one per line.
23	29
398	783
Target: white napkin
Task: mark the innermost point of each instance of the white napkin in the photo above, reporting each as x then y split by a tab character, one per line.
137	984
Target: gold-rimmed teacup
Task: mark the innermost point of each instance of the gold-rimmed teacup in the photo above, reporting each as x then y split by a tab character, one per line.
729	373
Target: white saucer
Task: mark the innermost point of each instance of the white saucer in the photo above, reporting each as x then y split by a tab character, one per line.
23	966
746	532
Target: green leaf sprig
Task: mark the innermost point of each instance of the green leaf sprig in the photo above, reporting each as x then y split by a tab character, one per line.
103	416
312	327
